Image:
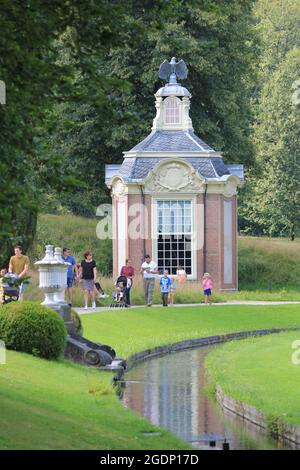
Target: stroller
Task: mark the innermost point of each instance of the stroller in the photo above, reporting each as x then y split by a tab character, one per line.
9	289
119	294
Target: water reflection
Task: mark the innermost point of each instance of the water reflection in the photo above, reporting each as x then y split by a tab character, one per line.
170	392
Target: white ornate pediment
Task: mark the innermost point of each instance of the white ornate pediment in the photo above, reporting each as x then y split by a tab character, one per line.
173	176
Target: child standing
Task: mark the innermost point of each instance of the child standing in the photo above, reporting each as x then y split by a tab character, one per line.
165	283
207	287
172	290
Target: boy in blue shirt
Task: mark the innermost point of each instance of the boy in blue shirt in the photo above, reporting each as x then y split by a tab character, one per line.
70	259
165	283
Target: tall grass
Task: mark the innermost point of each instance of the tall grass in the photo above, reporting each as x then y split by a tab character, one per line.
77	233
269	264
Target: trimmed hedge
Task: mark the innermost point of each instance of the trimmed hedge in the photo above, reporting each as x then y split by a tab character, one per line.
77	322
32	328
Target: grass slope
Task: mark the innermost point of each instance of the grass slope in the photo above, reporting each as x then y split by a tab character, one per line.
77	233
60	405
269	264
260	372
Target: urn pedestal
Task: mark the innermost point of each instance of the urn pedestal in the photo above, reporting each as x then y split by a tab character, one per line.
53	282
53	273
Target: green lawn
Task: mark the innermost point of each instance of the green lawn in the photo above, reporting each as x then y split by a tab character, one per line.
130	331
260	372
60	405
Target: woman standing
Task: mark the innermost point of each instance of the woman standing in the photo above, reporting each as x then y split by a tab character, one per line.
88	276
128	271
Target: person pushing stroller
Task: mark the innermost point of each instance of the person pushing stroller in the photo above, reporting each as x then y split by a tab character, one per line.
119	299
128	271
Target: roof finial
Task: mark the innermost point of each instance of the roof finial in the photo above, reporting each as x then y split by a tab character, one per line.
171	71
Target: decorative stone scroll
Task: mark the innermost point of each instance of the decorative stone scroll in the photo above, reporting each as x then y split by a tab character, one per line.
118	189
230	187
173	176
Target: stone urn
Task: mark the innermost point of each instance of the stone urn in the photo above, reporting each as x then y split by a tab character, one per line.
53	276
53	282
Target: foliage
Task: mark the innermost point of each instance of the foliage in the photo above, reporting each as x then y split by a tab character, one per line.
216	41
271	202
77	322
275	203
36	78
277	24
32	328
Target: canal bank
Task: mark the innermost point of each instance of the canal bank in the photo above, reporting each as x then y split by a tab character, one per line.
172	394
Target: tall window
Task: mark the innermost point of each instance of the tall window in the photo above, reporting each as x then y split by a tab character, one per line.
172	111
174	231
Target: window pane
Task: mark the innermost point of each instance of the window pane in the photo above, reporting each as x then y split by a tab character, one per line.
174	235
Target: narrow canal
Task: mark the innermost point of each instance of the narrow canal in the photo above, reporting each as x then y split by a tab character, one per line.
170	391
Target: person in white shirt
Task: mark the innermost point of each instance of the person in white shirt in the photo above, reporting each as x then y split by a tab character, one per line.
149	271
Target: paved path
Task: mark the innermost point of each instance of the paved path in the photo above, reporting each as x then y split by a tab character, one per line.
82	311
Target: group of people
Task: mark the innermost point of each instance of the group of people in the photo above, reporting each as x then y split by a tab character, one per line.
168	283
86	274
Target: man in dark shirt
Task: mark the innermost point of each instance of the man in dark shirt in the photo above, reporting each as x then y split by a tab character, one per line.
89	277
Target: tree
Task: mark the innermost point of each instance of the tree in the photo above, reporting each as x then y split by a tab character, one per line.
214	38
35	79
271	201
275	204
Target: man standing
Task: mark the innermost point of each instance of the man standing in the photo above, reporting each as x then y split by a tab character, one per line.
70	259
149	270
19	265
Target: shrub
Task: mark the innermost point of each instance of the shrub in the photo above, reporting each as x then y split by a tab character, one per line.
32	328
77	322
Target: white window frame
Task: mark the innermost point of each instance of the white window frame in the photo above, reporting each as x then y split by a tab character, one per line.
154	217
172	110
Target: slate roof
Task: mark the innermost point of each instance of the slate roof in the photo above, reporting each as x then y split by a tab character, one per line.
172	141
138	168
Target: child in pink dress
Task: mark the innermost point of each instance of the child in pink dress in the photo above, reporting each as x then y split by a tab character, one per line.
207	288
